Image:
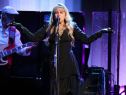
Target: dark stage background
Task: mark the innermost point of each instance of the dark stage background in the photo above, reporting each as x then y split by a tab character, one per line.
26	70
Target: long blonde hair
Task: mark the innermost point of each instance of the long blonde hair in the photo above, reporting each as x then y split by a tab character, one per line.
68	21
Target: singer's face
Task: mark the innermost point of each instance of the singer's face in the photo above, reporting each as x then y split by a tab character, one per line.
59	12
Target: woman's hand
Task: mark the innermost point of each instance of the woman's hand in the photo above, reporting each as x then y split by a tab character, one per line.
107	30
17	25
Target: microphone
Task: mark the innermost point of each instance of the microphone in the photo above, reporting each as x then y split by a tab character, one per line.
58	19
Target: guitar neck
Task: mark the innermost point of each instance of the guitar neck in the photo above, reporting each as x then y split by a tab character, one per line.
6	53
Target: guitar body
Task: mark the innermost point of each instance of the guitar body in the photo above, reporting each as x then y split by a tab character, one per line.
8	52
3	62
2	48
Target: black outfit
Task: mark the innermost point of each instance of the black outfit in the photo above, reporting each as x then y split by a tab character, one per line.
69	71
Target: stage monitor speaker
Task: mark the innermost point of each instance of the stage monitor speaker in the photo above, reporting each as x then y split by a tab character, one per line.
94	83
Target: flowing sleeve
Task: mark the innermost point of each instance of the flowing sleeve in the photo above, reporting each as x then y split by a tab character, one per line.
82	37
38	35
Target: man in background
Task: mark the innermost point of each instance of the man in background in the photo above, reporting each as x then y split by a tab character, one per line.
9	39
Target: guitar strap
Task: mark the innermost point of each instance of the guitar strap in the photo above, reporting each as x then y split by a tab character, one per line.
11	42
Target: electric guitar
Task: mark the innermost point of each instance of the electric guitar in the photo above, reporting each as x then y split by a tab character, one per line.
8	52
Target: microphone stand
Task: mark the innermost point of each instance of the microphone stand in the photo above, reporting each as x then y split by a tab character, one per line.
56	57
